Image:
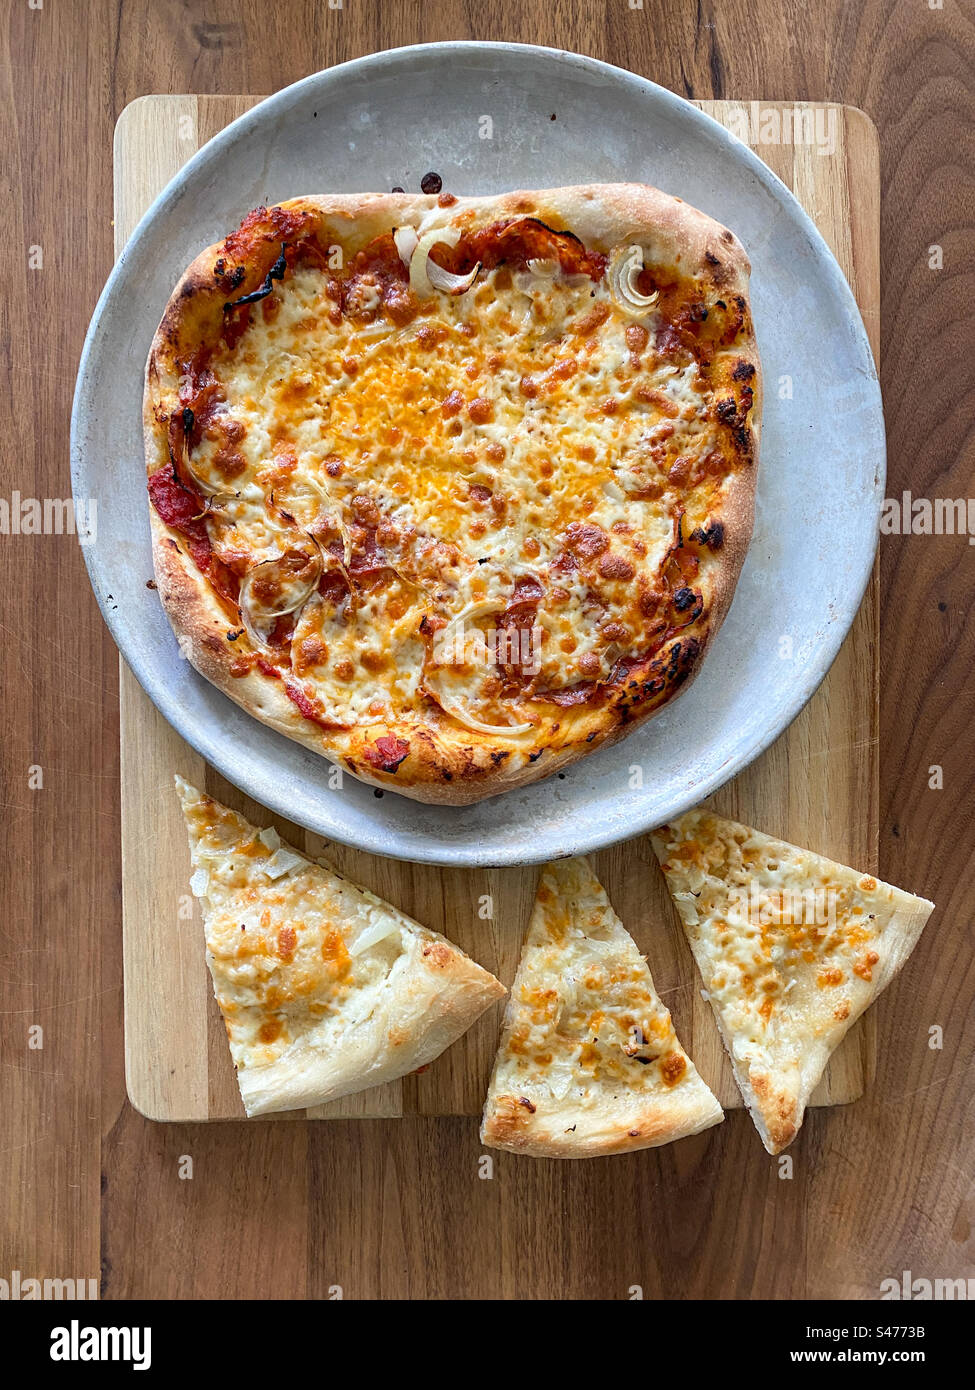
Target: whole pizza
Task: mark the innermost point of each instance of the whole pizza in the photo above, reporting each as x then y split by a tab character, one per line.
455	490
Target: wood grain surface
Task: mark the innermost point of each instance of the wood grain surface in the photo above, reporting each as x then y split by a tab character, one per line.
878	1187
816	786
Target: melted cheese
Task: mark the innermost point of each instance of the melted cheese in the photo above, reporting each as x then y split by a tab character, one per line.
787	942
471	440
324	988
585	1024
283	951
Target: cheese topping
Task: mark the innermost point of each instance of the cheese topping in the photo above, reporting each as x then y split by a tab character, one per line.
290	946
532	447
324	988
779	932
584	1019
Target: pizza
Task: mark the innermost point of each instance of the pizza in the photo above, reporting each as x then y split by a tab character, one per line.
792	948
589	1062
324	988
455	490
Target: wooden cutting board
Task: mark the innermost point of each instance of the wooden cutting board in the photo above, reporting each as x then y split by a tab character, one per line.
816	786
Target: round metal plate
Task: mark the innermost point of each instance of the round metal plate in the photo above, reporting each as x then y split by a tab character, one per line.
386	120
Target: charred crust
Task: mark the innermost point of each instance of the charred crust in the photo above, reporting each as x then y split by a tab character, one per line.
735	417
711	535
276	272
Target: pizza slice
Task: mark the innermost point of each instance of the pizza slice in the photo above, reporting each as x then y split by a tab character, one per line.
324	988
792	948
589	1062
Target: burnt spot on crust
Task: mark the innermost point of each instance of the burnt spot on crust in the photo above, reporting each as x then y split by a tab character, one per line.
744	371
228	281
276	272
735	417
711	535
648	685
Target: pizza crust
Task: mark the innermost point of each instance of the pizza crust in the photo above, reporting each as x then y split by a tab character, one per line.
447	763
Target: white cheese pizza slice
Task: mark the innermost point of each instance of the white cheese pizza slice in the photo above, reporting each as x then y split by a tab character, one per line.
792	948
324	988
589	1062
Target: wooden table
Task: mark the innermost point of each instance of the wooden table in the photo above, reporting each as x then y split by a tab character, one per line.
396	1208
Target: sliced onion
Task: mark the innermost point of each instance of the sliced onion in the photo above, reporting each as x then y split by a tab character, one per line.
334	515
282	861
426	276
477	609
202	484
199	883
624	274
330	561
457	711
547	269
372	935
270	838
406	239
447	281
374	333
253	613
